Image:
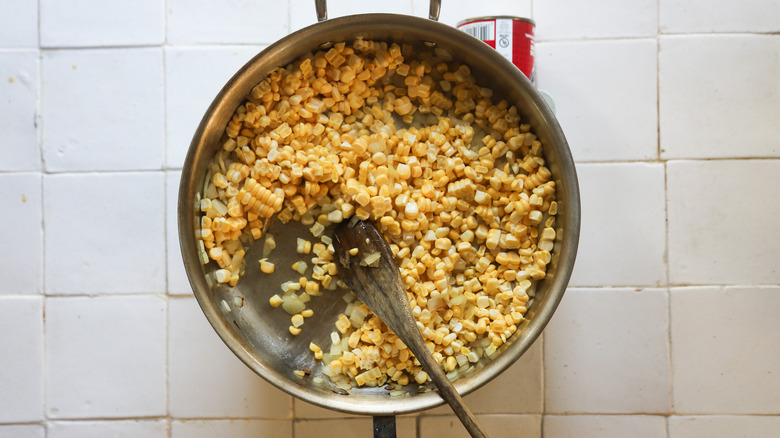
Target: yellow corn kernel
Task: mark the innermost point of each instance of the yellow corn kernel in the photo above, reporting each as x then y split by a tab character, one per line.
303	246
335	216
266	267
215	253
312	288
492	238
443	243
275	301
316	230
421	377
343	324
299	266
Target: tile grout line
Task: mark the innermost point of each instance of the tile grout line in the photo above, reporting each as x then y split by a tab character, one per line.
585	39
417	416
666	221
164	55
44	299
87	172
166	367
669	301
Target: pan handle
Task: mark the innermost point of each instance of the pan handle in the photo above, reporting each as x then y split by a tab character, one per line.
384	426
434	9
321	6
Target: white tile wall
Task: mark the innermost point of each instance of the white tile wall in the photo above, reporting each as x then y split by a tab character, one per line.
200	363
102	109
304	410
113	429
21	379
113	244
618	199
716	426
18	24
105	357
22	431
83	23
177	276
718	96
592	362
221	22
496	426
684	16
19	88
569	19
724	348
720	232
607	108
231	429
672	110
21	233
599	426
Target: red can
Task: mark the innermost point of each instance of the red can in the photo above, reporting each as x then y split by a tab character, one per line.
512	37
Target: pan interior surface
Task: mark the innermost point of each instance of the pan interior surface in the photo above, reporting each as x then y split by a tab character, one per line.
257	333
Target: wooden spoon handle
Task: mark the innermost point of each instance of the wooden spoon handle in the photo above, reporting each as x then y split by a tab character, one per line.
450	395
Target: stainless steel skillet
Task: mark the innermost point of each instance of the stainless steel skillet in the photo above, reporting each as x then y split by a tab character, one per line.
259	336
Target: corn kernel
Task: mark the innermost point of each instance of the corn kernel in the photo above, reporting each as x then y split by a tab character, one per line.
303	246
222	275
266	267
492	238
299	266
268	245
275	301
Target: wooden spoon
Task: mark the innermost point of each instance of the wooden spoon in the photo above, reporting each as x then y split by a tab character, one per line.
373	275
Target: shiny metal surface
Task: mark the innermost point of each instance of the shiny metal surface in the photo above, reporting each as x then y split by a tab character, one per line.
434	9
321	8
258	334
